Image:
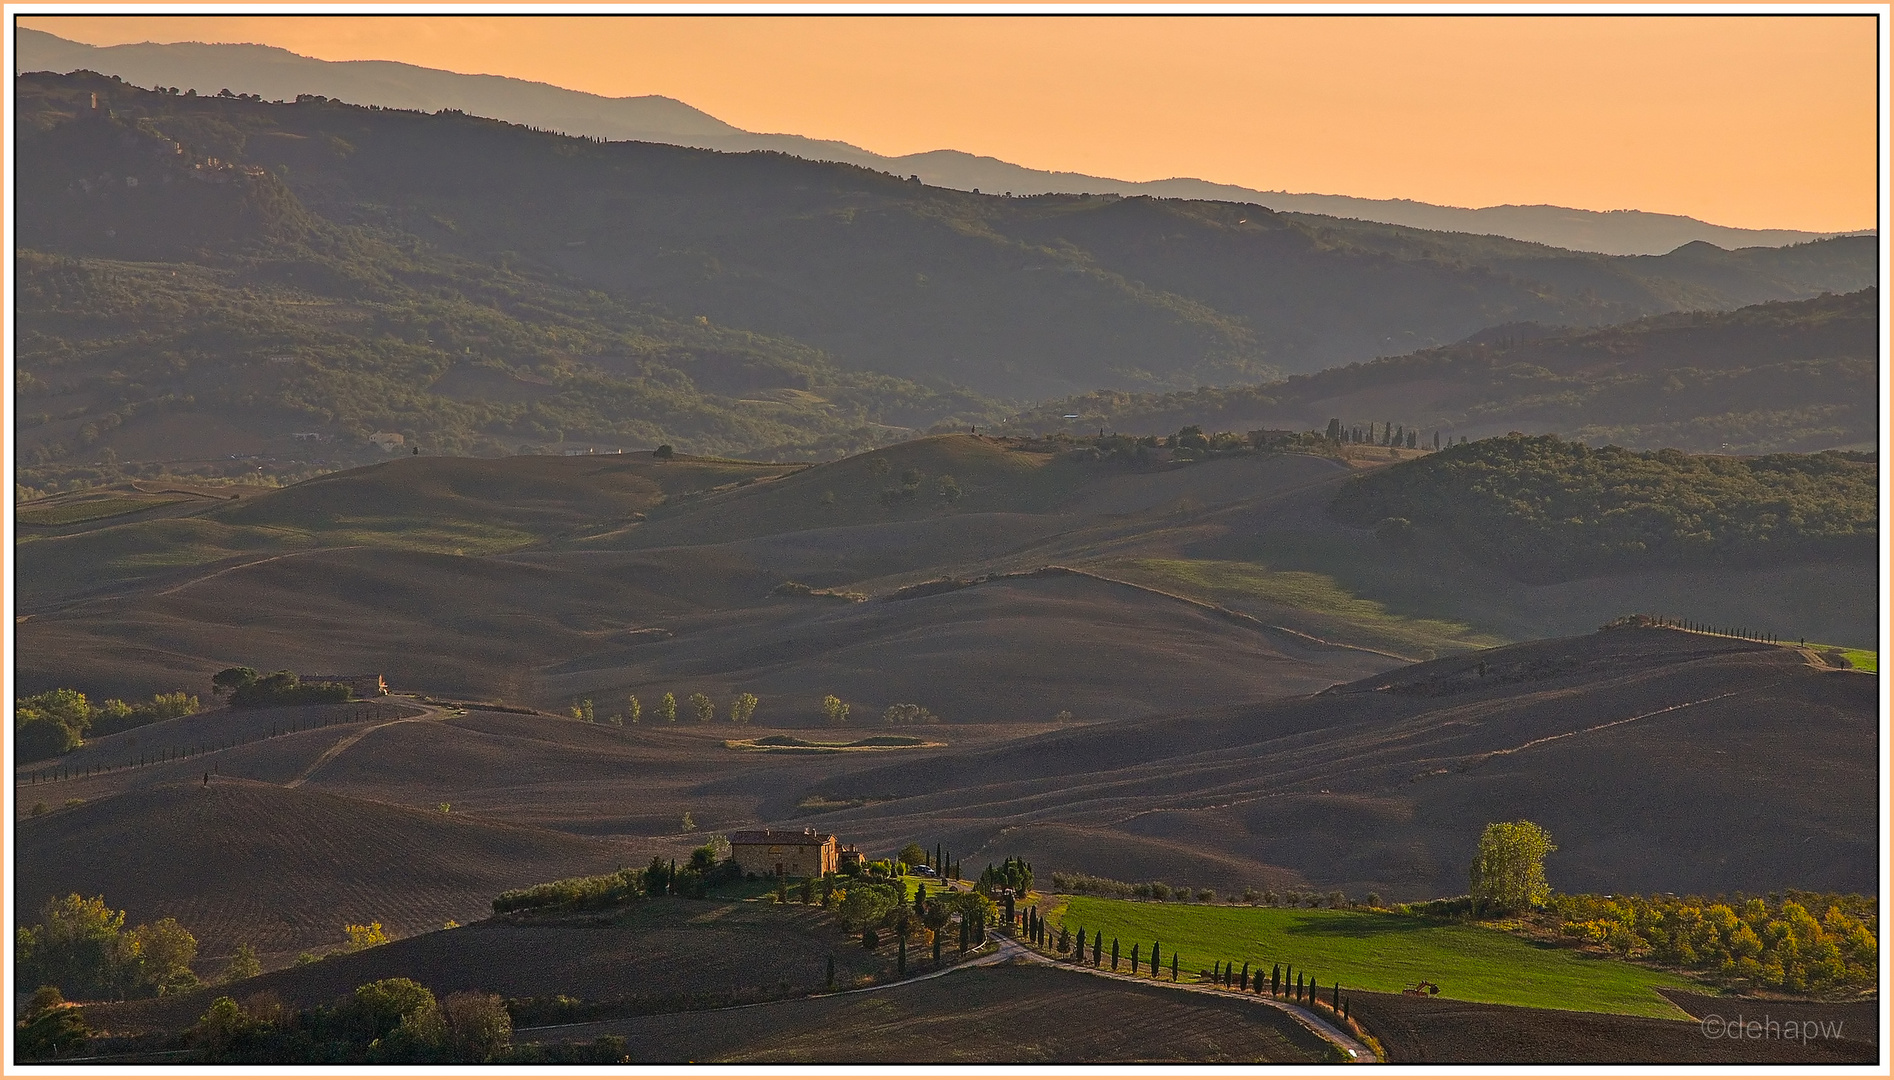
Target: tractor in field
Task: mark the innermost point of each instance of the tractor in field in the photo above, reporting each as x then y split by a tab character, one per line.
1421	989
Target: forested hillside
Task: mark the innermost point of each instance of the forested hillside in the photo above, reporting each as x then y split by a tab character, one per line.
1786	376
201	278
1550	510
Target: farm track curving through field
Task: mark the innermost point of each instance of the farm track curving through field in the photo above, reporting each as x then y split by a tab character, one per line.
429	712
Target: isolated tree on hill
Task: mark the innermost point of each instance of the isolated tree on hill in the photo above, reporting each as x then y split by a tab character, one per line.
667	707
742	707
706	709
1334	430
835	710
1508	871
633	709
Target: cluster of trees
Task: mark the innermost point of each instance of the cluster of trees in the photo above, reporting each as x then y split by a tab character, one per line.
707	865
246	689
872	908
1392	434
1014	874
57	721
1773	943
82	948
1548	510
385	1022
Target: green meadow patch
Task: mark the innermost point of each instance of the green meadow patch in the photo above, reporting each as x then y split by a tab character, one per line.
1355	619
1383	951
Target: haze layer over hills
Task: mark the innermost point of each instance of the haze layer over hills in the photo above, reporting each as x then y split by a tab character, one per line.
278	74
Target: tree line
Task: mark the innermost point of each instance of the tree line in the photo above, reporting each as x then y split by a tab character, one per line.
1777	942
57	722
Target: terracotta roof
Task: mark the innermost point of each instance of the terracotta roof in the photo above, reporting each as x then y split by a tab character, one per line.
774	836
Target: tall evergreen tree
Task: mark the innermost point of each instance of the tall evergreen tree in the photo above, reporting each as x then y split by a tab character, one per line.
1134	958
1173	965
1275	981
1114	954
1098	948
1244	982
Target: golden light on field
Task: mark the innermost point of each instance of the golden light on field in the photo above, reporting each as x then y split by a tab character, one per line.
1762	121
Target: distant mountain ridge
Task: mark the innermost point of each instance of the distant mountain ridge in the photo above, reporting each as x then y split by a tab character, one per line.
275	73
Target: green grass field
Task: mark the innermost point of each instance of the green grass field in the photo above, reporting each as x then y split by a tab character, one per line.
1367	621
1860	659
71	513
1380	951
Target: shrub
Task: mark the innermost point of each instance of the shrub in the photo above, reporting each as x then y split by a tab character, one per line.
604	890
479	1028
364	937
705	708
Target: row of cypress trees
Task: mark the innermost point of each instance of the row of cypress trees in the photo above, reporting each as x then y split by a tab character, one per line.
1304	989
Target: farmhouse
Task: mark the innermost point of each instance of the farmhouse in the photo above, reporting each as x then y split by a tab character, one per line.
774	853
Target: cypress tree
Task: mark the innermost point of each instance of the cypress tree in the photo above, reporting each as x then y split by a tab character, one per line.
1065	940
1154	956
1173	965
1275	981
936	949
1244	982
1335	999
1134	958
1078	947
1098	949
1114	954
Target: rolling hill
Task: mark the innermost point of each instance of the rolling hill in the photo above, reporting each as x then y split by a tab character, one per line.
1051	583
203	277
1636	748
1789	376
280	75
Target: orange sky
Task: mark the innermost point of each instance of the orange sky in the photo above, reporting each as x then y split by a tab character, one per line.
1757	121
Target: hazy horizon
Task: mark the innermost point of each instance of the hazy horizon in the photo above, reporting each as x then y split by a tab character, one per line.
1732	121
